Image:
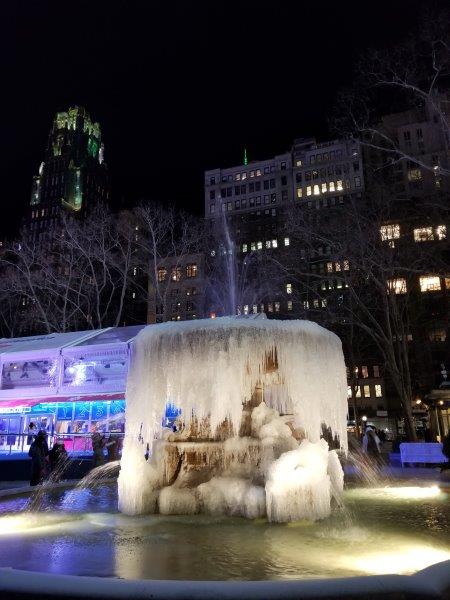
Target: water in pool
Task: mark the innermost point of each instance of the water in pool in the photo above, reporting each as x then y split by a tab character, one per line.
395	529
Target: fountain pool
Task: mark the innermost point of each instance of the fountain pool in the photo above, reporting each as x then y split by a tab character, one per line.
393	529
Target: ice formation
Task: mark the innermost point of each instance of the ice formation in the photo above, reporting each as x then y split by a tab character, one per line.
257	397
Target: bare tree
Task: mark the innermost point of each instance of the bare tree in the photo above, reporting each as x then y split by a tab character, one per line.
164	237
358	270
412	76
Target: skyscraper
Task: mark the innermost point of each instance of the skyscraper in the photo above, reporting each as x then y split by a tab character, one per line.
73	174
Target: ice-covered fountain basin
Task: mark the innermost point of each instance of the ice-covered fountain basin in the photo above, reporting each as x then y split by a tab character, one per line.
382	531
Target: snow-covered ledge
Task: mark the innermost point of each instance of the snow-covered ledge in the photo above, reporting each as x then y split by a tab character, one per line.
432	582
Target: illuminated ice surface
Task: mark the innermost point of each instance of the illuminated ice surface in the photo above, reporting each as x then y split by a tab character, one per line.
383	530
255	396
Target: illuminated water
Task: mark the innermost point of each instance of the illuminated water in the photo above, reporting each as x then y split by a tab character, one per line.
383	530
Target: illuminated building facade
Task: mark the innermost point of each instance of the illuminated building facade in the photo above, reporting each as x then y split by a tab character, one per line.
73	174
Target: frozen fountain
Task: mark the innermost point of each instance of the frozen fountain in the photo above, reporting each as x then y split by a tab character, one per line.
263	410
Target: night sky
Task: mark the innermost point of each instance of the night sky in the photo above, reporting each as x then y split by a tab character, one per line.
178	87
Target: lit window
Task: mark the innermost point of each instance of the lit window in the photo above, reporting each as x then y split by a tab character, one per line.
338	266
274	243
262	308
438	335
289	304
162	274
287	241
176	274
367	391
298	163
244	176
268	244
308	190
364	372
324	188
330	267
316	303
316	190
289	288
349	391
191	270
441	232
390	232
423	234
244	247
252	173
430	283
324	303
277	306
253	246
270	307
245	309
299	192
358	391
259	245
332	186
135	271
258	172
378	393
339	185
237	177
414	175
255	309
397	285
134	295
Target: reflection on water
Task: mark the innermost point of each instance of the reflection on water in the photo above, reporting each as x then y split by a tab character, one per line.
382	530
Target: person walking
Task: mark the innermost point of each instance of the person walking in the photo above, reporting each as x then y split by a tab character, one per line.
58	458
371	444
38	453
98	444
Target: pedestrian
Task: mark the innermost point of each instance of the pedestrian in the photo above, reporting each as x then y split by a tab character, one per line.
38	453
31	433
112	447
58	458
446	451
371	444
98	445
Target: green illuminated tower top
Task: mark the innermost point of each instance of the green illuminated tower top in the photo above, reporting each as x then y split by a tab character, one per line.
73	172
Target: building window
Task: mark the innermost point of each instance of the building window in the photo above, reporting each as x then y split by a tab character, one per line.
357	181
414	175
376	371
191	291
287	241
212	208
308	190
191	270
364	372
441	232
378	393
274	243
438	335
270	307
289	288
253	246
259	245
397	285
390	232
289	304
244	247
367	391
298	163
277	306
176	274
316	190
430	283
162	274
423	234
